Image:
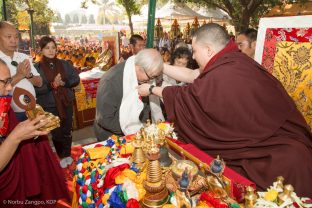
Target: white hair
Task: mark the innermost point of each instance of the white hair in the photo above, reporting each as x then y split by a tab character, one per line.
149	60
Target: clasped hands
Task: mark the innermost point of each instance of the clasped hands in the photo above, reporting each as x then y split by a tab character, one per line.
24	69
58	81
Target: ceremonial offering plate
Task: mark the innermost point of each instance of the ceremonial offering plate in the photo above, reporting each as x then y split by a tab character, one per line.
179	167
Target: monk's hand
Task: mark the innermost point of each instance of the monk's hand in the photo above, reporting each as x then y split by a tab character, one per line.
29	129
143	89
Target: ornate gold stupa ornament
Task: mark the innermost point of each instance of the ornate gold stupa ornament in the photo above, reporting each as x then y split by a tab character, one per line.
286	194
158	31
250	197
175	29
138	156
156	192
195	26
33	110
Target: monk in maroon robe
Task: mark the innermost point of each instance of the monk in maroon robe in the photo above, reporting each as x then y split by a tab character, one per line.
237	110
30	175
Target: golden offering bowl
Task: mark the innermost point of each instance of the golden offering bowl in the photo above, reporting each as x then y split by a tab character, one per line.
179	167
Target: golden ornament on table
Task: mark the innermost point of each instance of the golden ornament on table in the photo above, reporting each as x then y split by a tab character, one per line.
250	197
138	156
33	110
157	194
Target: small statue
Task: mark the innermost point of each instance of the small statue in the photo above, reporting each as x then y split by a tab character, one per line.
165	160
286	194
217	166
250	197
280	182
184	182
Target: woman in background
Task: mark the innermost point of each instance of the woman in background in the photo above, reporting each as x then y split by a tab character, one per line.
56	95
180	57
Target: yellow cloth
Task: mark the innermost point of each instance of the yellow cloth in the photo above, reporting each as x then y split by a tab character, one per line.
83	101
128	149
97	152
293	68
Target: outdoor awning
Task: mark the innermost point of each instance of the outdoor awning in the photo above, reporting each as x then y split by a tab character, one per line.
178	11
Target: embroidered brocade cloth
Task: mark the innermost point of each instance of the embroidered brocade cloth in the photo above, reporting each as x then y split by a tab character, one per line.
287	55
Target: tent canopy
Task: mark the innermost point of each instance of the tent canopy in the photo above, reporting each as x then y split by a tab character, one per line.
177	11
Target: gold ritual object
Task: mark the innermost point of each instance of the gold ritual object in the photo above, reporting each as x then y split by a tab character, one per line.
156	192
138	156
33	110
250	197
286	194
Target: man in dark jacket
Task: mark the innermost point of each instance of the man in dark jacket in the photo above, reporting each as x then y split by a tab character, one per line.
237	110
119	109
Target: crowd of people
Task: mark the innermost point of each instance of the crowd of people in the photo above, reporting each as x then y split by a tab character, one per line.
213	91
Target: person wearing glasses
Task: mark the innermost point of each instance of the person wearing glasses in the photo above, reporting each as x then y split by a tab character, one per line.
23	72
29	169
246	42
119	108
56	95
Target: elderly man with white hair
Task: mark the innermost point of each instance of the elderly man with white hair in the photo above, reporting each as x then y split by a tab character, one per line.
119	108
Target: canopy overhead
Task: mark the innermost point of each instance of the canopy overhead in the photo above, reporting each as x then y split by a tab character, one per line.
214	13
178	11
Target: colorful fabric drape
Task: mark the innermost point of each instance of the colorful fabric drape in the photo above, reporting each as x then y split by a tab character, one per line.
287	55
293	67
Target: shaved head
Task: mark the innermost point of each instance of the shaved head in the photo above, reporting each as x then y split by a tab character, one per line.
212	34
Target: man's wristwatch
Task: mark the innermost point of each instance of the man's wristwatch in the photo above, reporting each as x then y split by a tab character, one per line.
30	76
151	89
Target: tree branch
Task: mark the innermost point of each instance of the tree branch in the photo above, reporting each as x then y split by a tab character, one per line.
229	6
252	8
209	3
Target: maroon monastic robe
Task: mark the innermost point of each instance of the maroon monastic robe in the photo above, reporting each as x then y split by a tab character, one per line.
33	173
237	110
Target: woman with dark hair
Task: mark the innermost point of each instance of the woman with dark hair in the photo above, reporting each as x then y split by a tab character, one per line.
56	95
180	57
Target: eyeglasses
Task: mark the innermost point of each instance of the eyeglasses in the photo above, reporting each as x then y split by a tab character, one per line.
14	63
152	77
7	81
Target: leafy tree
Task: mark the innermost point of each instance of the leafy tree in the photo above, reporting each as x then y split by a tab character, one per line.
11	11
131	7
244	13
67	19
75	19
91	19
84	19
42	14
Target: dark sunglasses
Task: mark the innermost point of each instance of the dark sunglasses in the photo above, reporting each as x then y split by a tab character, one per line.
7	81
14	63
